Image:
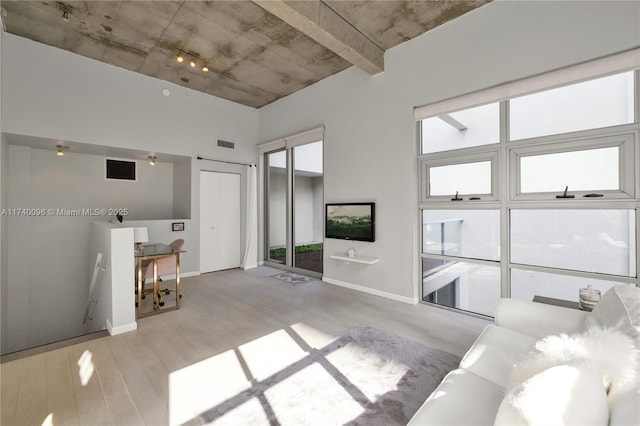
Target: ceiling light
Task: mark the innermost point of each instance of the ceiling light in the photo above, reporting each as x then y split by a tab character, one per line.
205	68
60	149
192	63
180	58
152	160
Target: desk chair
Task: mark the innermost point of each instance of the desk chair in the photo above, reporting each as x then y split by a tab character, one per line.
166	266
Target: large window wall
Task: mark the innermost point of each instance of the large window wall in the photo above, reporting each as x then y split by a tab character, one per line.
535	195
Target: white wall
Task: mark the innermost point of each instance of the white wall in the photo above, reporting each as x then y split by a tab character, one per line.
49	255
77	99
113	309
370	141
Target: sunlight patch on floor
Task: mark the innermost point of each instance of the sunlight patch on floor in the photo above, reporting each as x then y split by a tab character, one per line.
200	386
48	421
312	336
271	353
349	361
235	417
85	367
197	389
287	401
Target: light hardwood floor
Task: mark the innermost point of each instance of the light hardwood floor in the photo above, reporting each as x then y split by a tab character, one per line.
129	375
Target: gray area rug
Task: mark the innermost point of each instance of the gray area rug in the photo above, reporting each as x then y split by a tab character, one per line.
365	377
291	278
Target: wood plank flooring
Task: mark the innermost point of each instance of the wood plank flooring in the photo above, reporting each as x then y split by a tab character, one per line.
129	379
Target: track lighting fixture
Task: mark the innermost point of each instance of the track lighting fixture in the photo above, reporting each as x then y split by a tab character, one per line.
193	59
152	160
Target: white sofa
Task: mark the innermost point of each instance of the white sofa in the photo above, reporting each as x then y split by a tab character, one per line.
474	393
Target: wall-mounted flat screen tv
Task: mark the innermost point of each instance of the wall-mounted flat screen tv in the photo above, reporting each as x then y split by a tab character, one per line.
350	221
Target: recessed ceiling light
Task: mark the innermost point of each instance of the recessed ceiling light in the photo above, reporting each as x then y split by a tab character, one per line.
165	91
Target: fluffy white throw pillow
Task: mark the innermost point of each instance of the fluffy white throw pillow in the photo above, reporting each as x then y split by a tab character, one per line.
570	394
608	352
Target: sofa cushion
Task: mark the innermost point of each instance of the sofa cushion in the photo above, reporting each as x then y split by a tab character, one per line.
624	409
569	394
619	308
495	352
462	398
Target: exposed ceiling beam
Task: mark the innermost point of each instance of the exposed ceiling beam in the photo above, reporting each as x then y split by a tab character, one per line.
324	25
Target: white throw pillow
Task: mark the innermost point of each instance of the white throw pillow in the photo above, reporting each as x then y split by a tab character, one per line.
569	394
610	353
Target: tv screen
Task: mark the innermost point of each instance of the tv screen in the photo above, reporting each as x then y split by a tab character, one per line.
350	221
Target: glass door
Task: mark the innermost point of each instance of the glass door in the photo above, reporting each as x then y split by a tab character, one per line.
294	207
276	207
308	205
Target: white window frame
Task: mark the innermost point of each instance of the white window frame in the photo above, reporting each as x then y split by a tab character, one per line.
625	142
428	161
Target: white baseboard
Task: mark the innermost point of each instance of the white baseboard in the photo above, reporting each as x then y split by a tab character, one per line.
121	328
386	295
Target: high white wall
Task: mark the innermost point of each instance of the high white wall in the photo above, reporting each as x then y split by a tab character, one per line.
49	256
77	99
370	144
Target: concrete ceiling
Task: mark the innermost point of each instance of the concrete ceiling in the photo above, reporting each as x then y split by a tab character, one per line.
256	51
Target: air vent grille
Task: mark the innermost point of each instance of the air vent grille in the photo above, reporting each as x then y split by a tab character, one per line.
226	144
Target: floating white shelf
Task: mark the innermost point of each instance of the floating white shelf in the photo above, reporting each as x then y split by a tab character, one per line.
355	259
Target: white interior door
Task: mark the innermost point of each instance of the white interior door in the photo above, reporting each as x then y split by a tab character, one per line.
219	221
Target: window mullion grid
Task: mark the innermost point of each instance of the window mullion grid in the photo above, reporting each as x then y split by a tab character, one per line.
507	199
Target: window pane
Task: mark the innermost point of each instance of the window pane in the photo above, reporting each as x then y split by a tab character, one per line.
593	104
586	240
468	178
463	233
525	285
461	285
461	129
594	169
308	206
276	189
